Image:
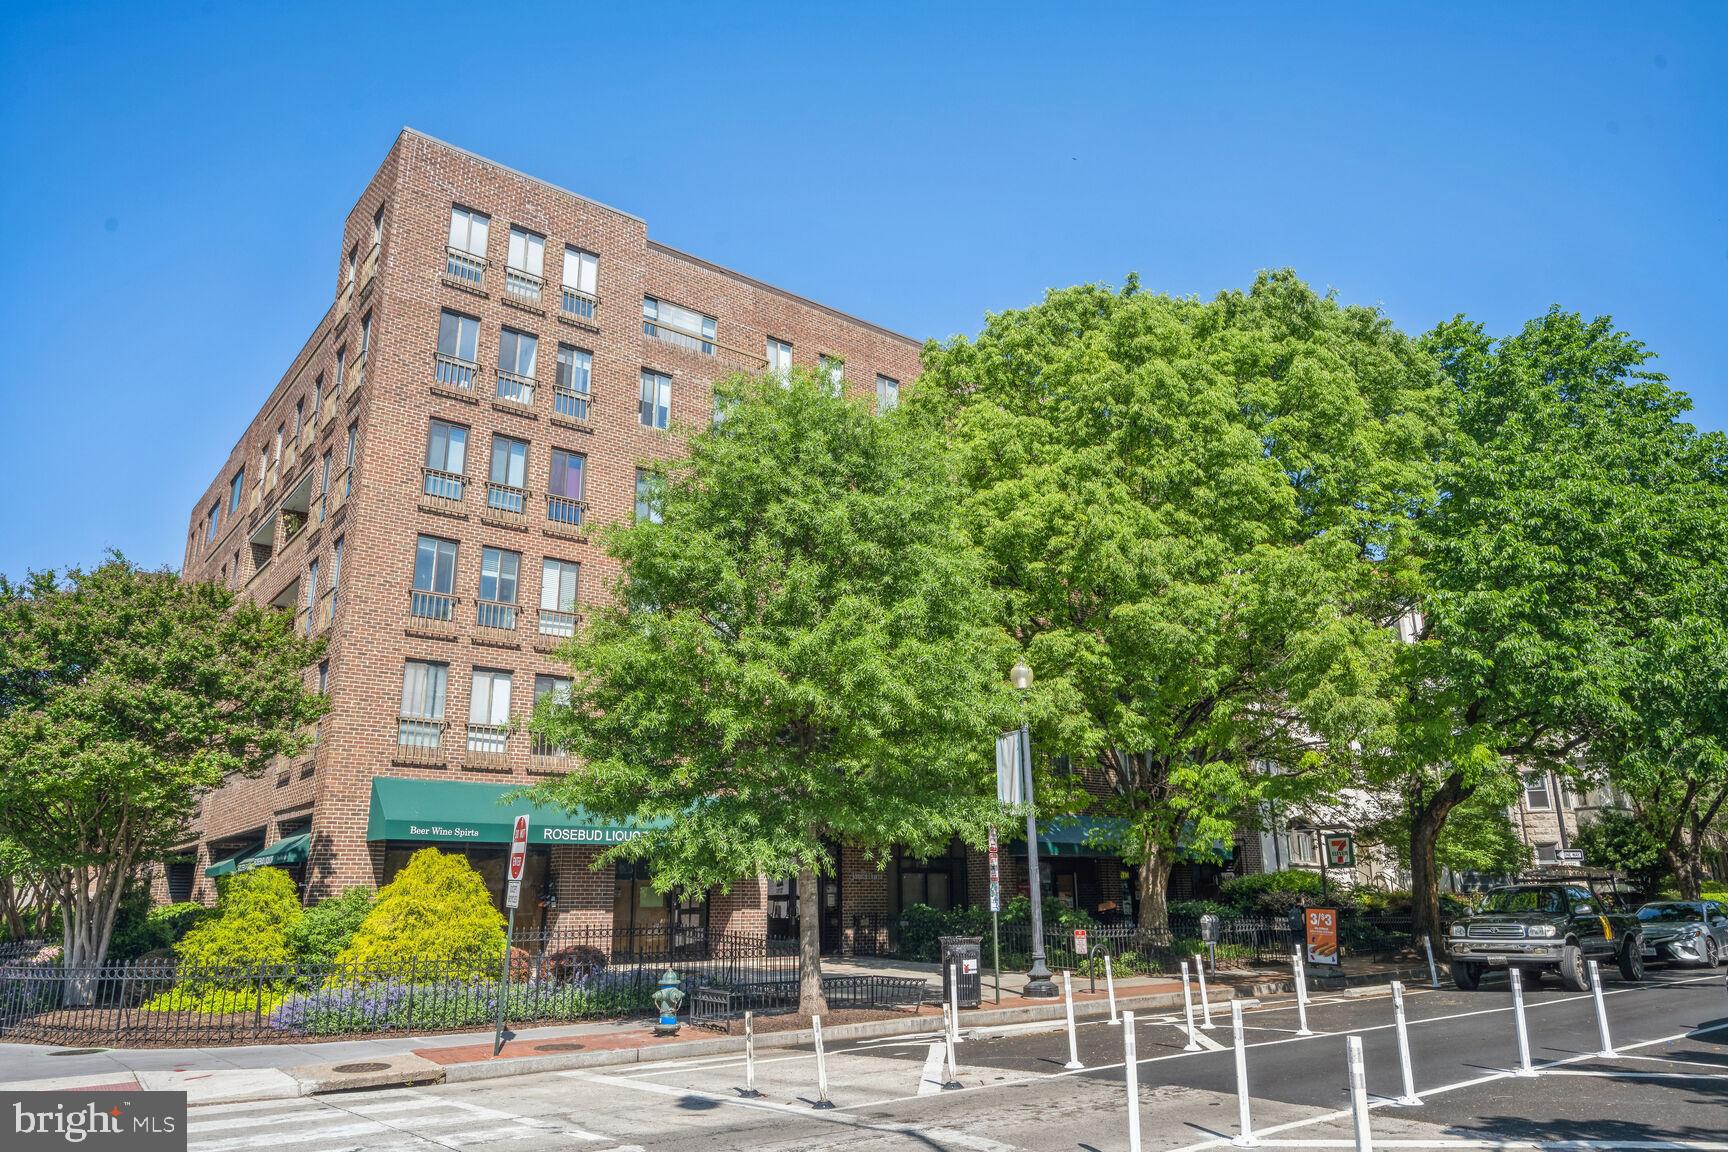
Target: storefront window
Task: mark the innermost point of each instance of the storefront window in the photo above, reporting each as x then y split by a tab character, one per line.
938	881
646	920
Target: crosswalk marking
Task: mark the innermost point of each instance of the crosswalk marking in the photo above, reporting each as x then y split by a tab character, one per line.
376	1122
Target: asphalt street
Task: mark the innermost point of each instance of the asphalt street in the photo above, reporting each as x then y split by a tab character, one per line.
1665	1089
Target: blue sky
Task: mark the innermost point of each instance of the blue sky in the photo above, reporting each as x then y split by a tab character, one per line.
176	176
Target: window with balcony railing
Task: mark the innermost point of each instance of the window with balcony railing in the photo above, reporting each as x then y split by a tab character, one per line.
524	271
446	461
571	386
432	596
506	489
558	584
518	353
581	278
489	712
455	363
420	722
465	259
564	497
496	605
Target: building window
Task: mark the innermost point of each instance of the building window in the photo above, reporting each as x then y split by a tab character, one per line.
336	550
678	326
887	393
352	266
317	396
433	597
516	358
236	488
467	252
378	226
647	496
323	677
210	526
570	391
564	493
179	876
341	368
458	349
311	597
525	267
446	460
1304	847
365	333
353	447
939	881
497	604
276	452
834	374
489	712
656	407
581	282
1547	854
324	488
507	491
779	356
1536	797
235	568
558	581
558	688
421	721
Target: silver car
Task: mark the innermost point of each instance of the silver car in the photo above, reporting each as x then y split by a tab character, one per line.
1685	931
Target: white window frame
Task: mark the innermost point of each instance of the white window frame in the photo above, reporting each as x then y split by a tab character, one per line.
469	228
527	252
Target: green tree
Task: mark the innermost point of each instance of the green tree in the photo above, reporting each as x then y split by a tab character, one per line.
437	908
1571	512
329	926
1619	841
799	653
1197	517
125	697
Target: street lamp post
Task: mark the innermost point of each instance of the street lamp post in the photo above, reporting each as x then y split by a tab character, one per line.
1038	982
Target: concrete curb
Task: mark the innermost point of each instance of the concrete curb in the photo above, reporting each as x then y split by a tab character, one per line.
404	1071
868	1030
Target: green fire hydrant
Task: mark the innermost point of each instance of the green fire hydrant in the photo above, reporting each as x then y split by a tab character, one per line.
669	998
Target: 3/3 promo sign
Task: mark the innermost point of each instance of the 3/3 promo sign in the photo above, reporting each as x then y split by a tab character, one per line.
1322	932
518	860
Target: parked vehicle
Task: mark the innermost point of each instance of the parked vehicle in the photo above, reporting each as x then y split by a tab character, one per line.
1548	924
1685	931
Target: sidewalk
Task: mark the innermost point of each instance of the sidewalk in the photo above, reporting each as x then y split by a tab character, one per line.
274	1071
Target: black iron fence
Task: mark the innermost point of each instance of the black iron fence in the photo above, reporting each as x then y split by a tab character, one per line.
713	1007
559	976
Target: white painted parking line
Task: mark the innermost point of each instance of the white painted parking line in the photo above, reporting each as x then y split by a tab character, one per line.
1622	1074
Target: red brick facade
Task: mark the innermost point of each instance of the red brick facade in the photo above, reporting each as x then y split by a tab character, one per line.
384	327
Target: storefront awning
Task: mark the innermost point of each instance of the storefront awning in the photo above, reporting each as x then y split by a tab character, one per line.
1095	836
285	853
231	864
462	812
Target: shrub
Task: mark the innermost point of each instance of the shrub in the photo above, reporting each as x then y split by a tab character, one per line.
1056	914
1194	909
437	908
328	926
1617	840
254	911
1272	892
920	928
155	931
452	1004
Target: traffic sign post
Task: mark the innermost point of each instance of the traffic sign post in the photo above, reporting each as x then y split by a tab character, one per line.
512	897
996	912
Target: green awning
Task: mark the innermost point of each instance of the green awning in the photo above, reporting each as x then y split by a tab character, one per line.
462	812
286	852
231	864
1095	836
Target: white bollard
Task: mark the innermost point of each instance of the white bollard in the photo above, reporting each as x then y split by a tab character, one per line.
953	1080
1409	1099
822	1100
1245	1138
750	1091
1607	1051
1110	987
954	1004
1358	1093
1205	1000
1131	1073
1301	972
1073	1044
1524	1068
1433	970
1193	1044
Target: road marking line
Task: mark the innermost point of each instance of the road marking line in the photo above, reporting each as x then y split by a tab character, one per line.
1677	1060
930	1077
1612	1074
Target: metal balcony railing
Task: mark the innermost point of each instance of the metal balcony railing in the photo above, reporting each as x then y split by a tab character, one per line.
444	488
551	623
563	510
579	305
570	404
420	739
490	741
542	749
516	389
454	372
523	286
465	267
506	503
496	614
431	605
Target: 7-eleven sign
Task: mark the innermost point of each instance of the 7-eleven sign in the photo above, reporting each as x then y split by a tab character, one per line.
1340	850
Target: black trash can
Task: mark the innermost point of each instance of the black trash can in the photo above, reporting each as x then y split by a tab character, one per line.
962	958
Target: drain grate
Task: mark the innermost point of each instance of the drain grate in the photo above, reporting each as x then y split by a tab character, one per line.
366	1066
77	1051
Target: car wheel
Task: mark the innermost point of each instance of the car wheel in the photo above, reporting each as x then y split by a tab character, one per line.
1712	954
1632	957
1466	976
1573	975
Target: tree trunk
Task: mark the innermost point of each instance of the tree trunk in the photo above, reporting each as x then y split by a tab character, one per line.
1686	865
1427	820
1152	888
810	999
89	901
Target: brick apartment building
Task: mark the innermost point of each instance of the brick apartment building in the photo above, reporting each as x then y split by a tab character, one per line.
501	362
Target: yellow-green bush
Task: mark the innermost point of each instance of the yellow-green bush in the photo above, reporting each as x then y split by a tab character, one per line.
437	909
254	912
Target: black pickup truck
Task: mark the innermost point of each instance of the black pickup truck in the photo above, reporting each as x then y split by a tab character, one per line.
1547	924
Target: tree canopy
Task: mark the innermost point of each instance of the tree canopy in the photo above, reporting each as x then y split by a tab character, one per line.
799	652
1197	518
126	696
